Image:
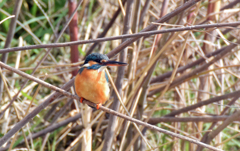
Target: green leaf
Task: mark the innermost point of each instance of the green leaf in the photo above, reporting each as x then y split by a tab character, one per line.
28	96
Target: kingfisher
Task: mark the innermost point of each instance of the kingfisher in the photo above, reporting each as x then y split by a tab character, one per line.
91	82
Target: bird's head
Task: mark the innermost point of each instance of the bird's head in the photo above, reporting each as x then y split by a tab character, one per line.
102	60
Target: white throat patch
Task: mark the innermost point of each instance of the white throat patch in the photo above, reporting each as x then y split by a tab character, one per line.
86	65
102	68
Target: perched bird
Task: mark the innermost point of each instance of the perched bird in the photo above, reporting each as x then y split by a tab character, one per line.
91	82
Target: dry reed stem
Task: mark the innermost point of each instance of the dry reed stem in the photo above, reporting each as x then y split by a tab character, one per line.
6	137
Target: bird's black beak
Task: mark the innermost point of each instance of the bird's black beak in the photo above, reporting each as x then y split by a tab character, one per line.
113	63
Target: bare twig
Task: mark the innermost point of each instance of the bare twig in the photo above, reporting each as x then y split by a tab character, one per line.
152	121
41	106
153	27
110	133
205	136
141	34
206	102
90	50
157	120
10	34
73	28
196	71
161	77
228	121
45	55
144	11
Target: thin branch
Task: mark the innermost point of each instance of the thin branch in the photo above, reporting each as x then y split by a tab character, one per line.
10	35
110	132
209	119
144	11
152	121
161	77
228	121
28	117
137	35
46	54
196	71
20	124
73	28
165	18
230	5
205	136
90	50
49	129
206	102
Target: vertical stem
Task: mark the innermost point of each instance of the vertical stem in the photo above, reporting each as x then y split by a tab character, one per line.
10	36
115	15
204	85
145	86
73	27
110	133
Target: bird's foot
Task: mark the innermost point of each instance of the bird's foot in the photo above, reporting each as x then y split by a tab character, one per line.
98	105
81	100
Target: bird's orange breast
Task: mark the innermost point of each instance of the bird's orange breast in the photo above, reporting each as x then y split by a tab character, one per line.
92	85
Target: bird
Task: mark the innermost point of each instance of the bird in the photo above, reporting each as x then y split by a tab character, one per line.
91	82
